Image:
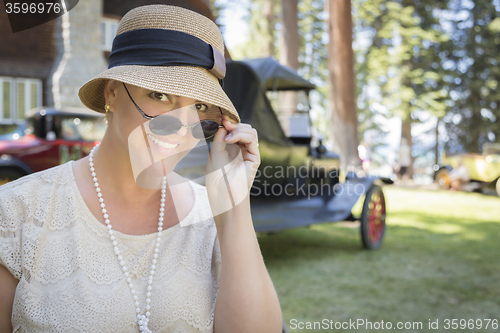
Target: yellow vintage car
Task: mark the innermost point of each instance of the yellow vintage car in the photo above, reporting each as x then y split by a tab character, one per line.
484	170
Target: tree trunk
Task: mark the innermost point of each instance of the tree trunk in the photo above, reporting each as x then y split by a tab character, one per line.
406	133
268	12
289	56
342	86
436	152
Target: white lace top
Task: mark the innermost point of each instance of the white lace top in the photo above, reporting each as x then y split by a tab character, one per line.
70	278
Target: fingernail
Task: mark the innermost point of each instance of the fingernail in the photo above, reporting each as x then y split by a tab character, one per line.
228	136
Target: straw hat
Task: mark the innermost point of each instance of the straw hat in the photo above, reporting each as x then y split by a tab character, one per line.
172	33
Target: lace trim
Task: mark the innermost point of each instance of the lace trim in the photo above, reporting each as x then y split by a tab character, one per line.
70	279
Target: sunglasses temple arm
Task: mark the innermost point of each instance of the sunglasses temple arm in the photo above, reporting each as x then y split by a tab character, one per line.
137	106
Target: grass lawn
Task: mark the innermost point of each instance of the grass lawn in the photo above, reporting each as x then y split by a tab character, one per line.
439	260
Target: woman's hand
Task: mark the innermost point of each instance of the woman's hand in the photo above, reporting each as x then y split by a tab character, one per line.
232	166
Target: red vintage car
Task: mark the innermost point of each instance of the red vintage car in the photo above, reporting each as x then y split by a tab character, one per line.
48	137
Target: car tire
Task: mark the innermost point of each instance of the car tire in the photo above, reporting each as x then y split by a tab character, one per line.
442	178
373	218
9	174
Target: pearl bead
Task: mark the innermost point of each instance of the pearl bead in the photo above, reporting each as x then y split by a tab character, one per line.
141	319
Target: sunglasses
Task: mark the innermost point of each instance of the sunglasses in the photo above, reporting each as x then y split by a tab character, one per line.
166	124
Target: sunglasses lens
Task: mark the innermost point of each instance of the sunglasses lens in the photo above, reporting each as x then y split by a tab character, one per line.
205	129
165	125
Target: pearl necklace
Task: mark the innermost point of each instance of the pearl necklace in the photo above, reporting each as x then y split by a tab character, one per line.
143	319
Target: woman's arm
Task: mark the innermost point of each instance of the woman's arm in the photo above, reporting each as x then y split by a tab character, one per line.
247	300
8	284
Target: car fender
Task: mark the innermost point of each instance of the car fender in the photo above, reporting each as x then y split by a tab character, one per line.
7	161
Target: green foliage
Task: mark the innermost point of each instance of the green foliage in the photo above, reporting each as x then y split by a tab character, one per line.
395	73
260	33
473	58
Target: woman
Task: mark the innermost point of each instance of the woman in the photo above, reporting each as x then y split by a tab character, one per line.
85	248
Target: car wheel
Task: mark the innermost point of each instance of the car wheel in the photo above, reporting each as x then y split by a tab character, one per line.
9	174
498	186
373	218
442	178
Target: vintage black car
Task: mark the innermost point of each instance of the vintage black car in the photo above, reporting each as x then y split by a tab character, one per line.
282	198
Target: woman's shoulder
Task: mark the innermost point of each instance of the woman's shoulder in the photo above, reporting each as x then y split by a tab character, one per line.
59	175
17	196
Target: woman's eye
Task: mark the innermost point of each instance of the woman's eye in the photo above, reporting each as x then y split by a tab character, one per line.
159	96
202	107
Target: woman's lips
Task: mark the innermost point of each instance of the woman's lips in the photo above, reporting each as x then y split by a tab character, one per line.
162	144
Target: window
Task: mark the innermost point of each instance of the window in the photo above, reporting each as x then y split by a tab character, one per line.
17	97
109	27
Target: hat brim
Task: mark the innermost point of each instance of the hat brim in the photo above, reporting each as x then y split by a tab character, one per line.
192	82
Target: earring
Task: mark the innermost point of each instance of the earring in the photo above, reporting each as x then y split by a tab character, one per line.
106	108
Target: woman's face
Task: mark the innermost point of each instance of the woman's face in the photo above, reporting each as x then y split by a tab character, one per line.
159	152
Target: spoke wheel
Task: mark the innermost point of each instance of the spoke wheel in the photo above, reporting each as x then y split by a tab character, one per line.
373	218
